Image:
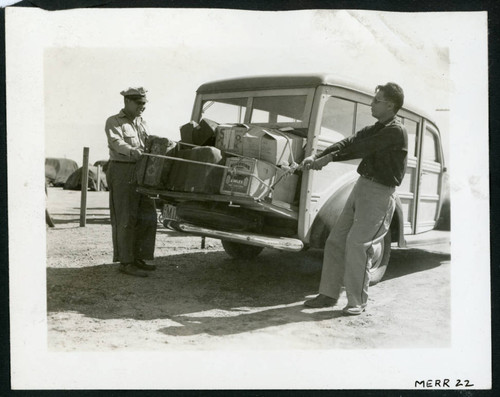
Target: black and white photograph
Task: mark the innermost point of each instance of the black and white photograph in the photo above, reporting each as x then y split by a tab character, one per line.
241	199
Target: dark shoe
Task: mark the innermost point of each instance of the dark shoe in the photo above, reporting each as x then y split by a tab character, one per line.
143	265
129	268
353	310
320	301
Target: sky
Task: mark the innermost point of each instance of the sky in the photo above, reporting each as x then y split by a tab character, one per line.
82	82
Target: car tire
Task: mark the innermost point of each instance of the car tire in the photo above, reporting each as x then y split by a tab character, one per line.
378	269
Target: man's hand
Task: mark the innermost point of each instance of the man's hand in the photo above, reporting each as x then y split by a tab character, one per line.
321	162
307	163
136	153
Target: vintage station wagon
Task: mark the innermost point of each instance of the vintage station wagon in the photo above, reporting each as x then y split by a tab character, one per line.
322	110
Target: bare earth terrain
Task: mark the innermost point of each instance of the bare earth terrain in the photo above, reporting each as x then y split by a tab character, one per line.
201	299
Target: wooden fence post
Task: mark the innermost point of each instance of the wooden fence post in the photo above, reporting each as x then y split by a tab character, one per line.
85	183
98	187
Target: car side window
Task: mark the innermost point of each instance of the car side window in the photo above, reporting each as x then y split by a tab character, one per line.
411	128
225	110
430	147
337	120
364	116
277	109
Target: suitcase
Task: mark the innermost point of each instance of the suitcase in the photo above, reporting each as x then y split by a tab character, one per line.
187	132
197	178
153	171
202	134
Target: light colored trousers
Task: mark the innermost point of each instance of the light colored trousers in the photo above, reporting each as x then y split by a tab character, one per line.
355	239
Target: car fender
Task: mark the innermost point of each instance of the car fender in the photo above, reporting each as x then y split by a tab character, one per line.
329	213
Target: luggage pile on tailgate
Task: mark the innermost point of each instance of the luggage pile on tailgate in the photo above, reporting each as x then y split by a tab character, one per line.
243	160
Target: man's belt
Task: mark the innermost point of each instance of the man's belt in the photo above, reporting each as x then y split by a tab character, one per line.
122	162
371	178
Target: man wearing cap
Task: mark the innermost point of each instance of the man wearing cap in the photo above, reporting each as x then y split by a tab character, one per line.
133	216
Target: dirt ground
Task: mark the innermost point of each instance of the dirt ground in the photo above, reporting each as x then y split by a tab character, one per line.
201	299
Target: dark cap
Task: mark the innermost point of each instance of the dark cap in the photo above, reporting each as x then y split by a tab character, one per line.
135	93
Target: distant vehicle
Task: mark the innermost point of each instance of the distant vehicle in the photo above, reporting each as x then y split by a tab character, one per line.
322	110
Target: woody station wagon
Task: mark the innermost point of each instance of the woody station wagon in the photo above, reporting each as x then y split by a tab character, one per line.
255	196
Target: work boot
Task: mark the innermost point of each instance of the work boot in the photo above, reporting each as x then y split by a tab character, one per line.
130	269
143	265
320	301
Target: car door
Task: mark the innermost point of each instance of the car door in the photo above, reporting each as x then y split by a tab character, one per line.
430	175
407	191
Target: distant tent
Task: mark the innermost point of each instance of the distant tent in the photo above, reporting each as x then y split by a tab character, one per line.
57	171
74	181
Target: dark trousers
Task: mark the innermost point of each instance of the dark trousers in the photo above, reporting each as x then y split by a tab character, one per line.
133	216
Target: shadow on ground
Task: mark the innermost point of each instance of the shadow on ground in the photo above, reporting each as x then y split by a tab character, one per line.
100	220
76	221
407	261
208	292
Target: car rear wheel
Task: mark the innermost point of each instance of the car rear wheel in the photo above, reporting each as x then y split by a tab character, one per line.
241	251
381	260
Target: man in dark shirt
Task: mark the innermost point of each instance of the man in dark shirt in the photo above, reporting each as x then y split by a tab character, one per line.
359	232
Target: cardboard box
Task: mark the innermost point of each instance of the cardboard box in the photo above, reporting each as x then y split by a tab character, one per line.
273	146
249	177
229	138
285	189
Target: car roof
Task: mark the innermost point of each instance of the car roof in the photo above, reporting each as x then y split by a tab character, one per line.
275	81
267	82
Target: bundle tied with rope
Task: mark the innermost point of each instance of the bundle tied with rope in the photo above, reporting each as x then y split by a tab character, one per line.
243	175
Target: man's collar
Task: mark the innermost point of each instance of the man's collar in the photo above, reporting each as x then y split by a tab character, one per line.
387	122
123	114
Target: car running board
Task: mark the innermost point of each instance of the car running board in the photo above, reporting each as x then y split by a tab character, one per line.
280	243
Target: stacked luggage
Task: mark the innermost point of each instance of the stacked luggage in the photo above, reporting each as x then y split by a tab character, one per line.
194	177
230	159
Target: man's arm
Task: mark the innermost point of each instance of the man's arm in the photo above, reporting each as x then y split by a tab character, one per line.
362	145
344	143
318	161
337	146
357	146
